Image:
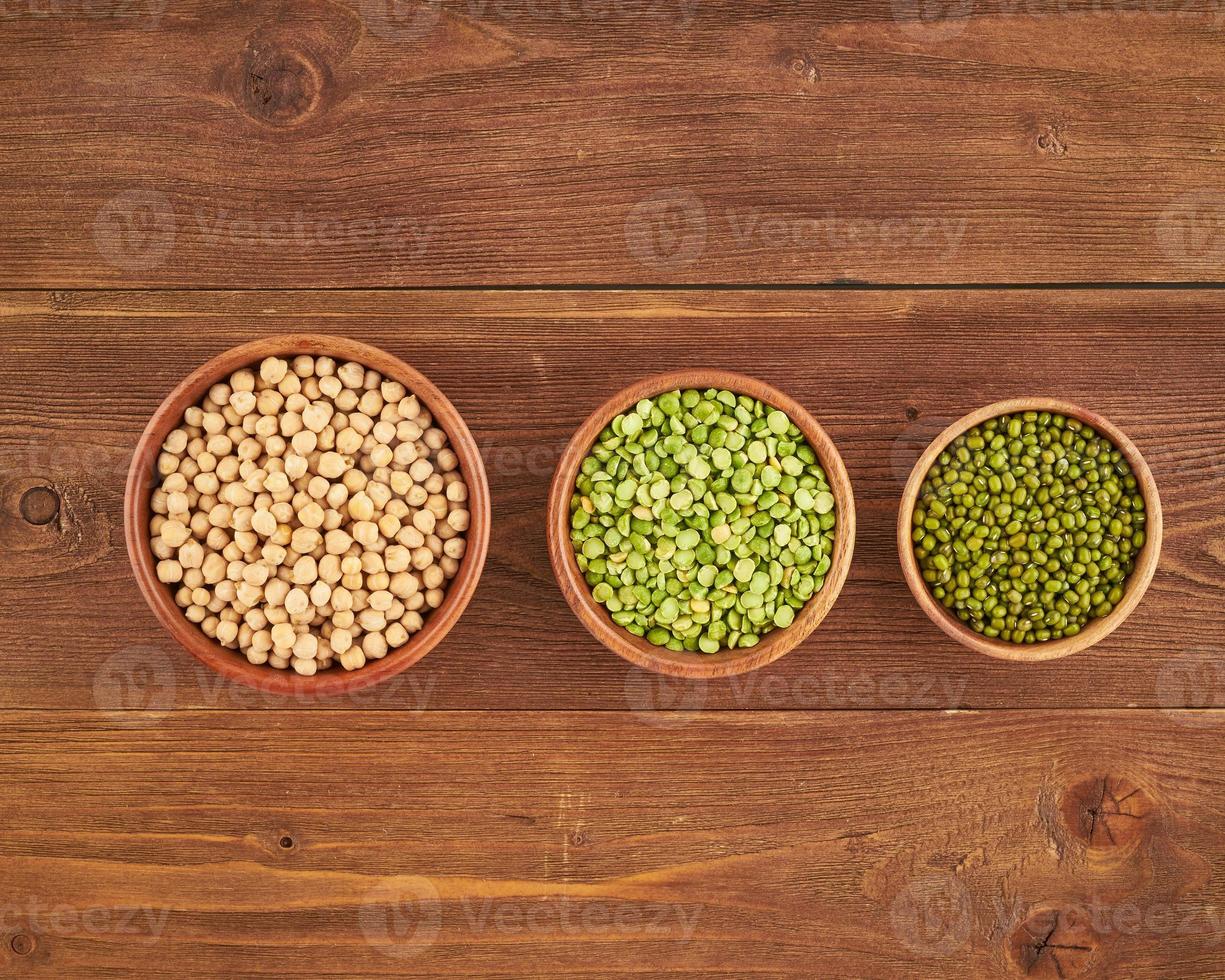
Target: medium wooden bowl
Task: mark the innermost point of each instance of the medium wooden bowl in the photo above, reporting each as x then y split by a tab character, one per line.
231	663
638	650
1097	629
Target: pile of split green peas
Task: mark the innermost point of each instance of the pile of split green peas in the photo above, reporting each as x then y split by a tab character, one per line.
702	520
1027	526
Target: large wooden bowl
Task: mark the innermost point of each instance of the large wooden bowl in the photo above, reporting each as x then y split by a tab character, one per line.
638	650
1097	629
231	663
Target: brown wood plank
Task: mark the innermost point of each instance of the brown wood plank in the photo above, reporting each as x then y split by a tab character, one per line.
386	142
854	844
882	371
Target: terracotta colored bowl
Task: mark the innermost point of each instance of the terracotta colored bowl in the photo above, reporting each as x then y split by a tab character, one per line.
638	650
1097	629
231	663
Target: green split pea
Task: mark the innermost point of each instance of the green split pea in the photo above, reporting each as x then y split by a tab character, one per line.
1027	527
702	520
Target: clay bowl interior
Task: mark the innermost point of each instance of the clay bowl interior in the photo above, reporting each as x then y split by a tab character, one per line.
231	663
1137	582
638	650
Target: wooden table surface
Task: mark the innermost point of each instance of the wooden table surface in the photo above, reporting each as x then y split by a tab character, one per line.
894	211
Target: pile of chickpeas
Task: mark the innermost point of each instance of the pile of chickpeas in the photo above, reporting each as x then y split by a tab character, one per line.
308	513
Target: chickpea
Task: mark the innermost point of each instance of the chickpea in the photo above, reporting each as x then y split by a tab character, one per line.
432	577
403	584
329	569
305	571
422	558
169	571
320	593
352	659
340	640
412	621
174	533
371	620
191	554
340	619
311	516
396	635
306	646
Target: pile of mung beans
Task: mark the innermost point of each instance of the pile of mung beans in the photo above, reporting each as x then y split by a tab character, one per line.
1027	526
308	513
702	520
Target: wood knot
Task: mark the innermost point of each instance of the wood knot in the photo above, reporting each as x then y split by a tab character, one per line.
1054	942
912	413
800	64
40	505
286	842
1050	142
1105	812
278	84
22	944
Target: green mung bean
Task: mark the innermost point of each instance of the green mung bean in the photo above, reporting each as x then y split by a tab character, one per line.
1027	526
702	520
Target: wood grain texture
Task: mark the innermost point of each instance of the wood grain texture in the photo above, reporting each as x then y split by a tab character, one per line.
854	844
395	142
883	372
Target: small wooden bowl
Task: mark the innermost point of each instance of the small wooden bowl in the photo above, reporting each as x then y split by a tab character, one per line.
231	663
638	650
1097	629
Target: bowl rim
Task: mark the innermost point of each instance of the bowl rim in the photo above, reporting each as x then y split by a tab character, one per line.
637	650
231	663
1098	629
